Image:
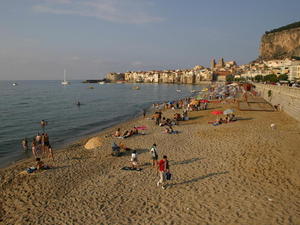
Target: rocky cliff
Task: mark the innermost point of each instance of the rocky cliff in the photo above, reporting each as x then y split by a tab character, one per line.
280	44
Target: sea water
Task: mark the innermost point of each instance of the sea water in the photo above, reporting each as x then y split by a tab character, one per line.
22	107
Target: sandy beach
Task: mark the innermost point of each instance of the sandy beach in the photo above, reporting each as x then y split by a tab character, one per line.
237	173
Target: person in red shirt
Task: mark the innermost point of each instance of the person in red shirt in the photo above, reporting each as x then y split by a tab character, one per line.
163	168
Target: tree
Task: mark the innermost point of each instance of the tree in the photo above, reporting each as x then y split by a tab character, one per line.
283	77
258	78
271	78
230	78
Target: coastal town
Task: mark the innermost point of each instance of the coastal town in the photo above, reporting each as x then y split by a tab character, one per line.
215	142
285	70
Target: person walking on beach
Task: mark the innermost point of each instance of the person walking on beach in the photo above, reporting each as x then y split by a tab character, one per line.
144	113
154	155
163	168
45	143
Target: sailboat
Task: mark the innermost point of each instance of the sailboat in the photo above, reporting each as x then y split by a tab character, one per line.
65	82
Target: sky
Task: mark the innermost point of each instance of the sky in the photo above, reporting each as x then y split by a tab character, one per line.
89	38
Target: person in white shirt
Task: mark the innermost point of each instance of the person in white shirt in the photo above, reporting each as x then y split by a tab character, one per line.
134	160
154	155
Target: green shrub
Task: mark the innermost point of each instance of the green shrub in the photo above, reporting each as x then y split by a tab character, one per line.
269	93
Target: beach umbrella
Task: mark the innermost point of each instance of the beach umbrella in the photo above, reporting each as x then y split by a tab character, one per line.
217	112
199	97
228	111
204	101
194	102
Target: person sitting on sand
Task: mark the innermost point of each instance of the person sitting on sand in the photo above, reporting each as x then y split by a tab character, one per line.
177	117
232	118
125	134
118	133
166	130
135	130
115	149
227	119
40	165
162	122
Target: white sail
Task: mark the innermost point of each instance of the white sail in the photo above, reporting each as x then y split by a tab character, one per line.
65	82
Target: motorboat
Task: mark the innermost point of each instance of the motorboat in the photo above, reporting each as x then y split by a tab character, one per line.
14	84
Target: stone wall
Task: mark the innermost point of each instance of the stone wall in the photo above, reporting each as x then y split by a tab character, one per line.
287	97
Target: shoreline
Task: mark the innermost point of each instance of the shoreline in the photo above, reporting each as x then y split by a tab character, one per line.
70	141
237	173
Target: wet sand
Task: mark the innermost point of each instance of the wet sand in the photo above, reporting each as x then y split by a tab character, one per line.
238	173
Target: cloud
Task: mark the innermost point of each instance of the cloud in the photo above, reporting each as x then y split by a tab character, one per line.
117	11
58	1
137	64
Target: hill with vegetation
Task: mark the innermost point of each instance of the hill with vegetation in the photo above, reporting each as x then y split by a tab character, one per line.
280	43
286	27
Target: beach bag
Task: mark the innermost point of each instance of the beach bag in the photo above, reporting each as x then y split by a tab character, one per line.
168	176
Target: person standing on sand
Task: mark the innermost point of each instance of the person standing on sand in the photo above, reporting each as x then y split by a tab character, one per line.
154	155
144	113
34	148
134	160
163	168
50	152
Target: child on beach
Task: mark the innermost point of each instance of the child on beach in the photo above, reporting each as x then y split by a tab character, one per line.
134	160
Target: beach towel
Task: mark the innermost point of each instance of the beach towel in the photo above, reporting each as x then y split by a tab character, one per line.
131	169
141	128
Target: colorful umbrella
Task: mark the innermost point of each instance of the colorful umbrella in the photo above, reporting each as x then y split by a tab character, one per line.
204	101
228	111
194	102
217	112
199	97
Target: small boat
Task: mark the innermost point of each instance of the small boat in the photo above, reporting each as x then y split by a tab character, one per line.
91	87
101	82
178	90
14	84
136	88
193	91
65	82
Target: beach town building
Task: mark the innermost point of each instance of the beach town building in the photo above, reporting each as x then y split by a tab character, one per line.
185	76
294	73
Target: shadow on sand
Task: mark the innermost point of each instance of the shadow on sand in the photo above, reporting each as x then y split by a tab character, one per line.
129	152
198	178
195	117
188	161
241	118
